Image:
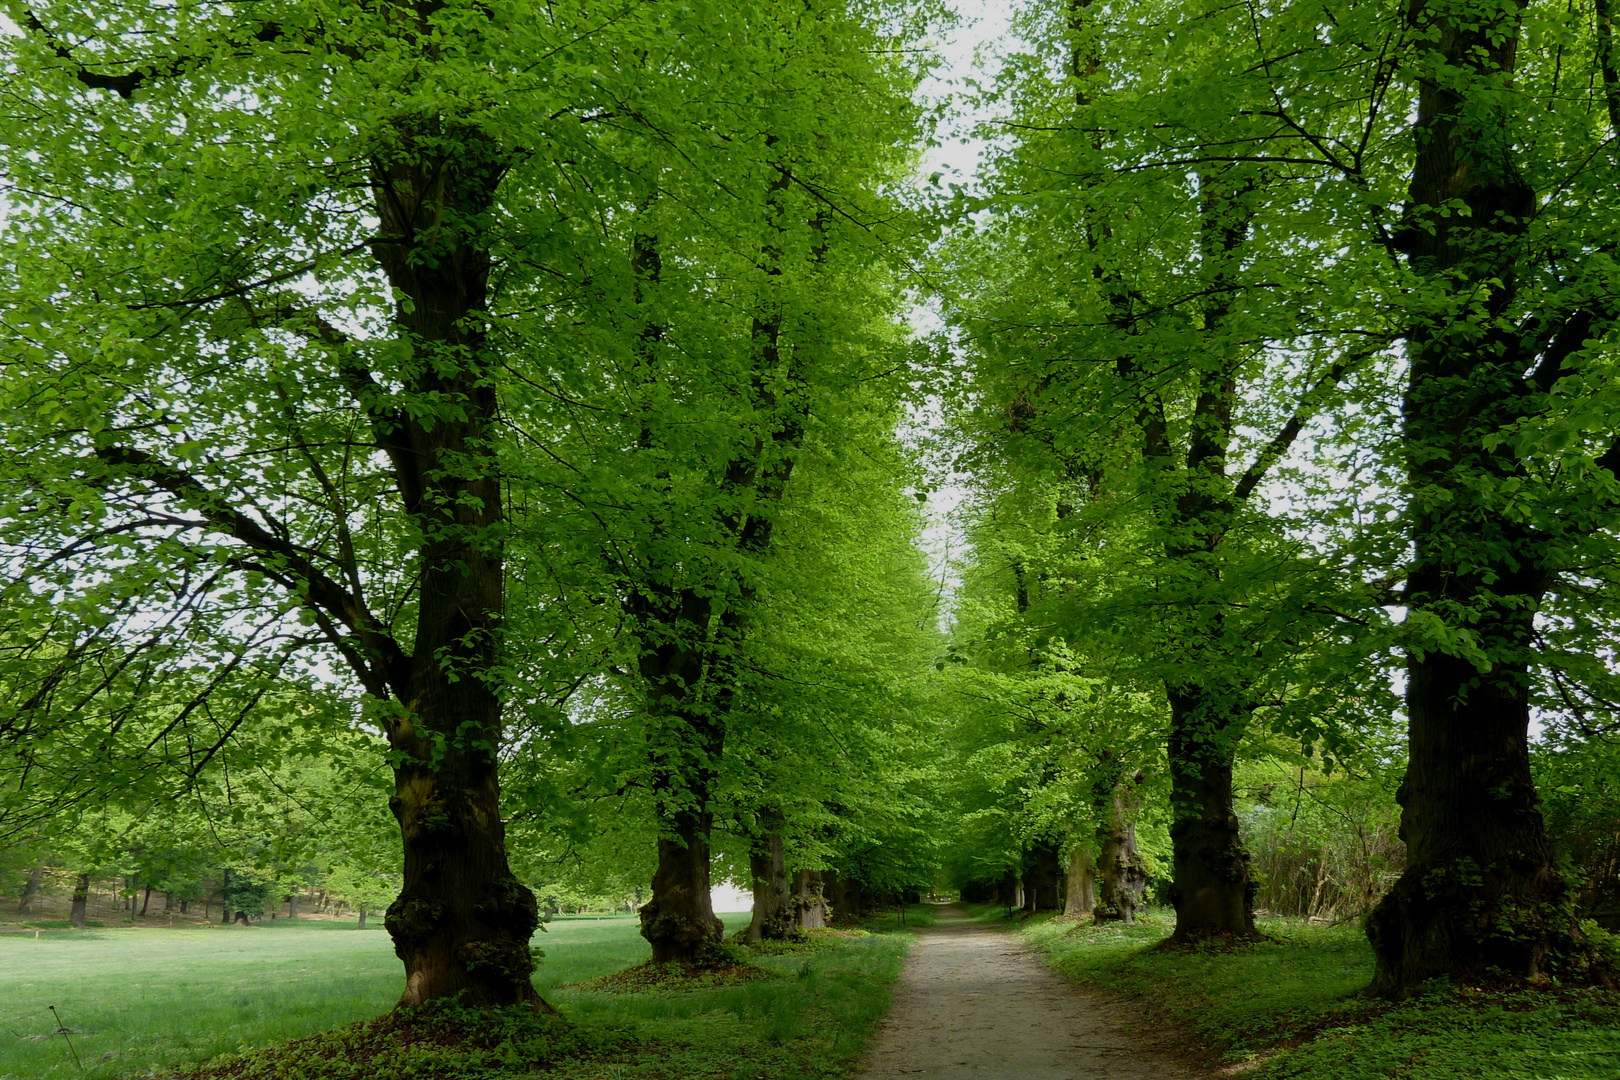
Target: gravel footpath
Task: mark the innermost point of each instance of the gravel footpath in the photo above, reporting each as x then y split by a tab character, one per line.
974	1004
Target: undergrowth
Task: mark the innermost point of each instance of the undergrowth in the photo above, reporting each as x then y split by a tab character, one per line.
1292	1006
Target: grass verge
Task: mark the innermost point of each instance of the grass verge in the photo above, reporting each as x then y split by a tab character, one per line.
1291	1007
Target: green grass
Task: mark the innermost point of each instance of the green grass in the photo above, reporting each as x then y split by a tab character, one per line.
139	1000
1293	1007
911	916
142	998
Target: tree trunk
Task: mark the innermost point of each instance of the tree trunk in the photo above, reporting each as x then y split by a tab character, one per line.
168	901
1080	897
146	899
1007	891
1480	894
809	903
774	915
292	905
1043	878
462	922
1121	873
81	900
184	902
362	925
225	899
241	919
30	893
679	920
1212	891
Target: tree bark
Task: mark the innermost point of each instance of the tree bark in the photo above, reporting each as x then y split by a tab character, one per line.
809	903
679	921
1043	878
1080	897
774	915
1480	893
292	905
146	898
462	922
1121	873
30	893
81	900
362	924
1212	890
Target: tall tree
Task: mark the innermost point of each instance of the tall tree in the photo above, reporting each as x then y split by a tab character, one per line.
1148	320
1509	477
262	405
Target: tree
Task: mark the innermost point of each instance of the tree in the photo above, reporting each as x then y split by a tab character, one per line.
1509	479
1150	332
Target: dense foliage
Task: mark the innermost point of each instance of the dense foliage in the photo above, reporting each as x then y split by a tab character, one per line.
473	459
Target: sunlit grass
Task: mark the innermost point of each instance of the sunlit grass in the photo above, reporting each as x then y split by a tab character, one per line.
138	1000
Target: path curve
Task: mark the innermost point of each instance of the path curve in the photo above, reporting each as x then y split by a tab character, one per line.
973	1003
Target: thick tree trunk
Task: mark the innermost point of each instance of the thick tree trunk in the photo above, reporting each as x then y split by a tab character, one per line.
81	900
774	915
146	899
1121	872
809	904
679	920
30	893
1212	890
1080	896
462	922
1043	880
1480	894
292	905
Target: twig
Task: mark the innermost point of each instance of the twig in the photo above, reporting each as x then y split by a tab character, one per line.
61	1029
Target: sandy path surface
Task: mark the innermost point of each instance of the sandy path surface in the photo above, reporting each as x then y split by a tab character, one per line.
973	1004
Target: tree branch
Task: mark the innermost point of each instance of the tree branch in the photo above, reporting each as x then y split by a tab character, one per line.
319	593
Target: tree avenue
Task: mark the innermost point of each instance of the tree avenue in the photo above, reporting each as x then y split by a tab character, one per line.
516	415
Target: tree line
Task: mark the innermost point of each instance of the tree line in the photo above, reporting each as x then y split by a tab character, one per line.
507	414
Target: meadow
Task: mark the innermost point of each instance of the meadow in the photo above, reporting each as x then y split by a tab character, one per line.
143	1001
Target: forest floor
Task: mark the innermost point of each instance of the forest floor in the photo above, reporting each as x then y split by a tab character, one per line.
1292	1006
292	998
975	1003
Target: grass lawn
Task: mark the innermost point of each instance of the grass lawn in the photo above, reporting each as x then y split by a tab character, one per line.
1292	1008
144	1000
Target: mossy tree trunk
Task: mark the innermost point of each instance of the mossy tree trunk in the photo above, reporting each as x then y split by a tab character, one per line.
1080	896
1121	871
774	914
1480	895
809	903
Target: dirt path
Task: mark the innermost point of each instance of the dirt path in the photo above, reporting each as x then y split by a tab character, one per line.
974	1004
